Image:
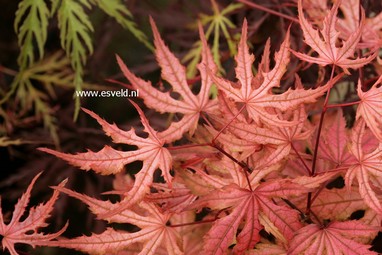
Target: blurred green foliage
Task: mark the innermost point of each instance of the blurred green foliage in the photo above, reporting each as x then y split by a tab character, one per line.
31	26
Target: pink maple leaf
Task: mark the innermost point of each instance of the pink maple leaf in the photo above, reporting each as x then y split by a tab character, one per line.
324	42
349	24
154	231
332	239
110	161
255	91
367	166
253	207
370	107
334	140
27	230
188	104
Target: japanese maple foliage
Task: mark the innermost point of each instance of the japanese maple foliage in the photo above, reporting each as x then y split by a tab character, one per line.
25	230
260	169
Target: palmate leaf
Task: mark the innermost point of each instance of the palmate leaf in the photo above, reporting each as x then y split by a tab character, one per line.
370	37
190	105
153	224
337	204
27	230
32	98
53	70
31	25
251	209
324	42
246	206
110	161
282	137
334	140
369	109
367	166
255	91
333	239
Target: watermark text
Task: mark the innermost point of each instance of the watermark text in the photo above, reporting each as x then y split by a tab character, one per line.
108	93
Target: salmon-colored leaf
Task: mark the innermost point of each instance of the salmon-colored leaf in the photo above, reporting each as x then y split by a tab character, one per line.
246	205
370	107
255	91
27	230
335	238
111	161
189	104
153	234
368	165
324	42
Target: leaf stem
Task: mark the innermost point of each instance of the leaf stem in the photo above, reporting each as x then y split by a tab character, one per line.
315	216
315	154
198	222
241	164
226	125
206	119
301	159
8	71
343	104
186	146
191	223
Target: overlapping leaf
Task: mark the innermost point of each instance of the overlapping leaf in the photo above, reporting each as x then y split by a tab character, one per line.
281	137
255	92
153	234
367	166
333	144
349	24
267	249
246	206
335	238
324	42
239	181
370	107
253	206
338	204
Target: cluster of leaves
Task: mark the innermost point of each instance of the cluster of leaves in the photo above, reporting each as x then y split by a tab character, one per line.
255	170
